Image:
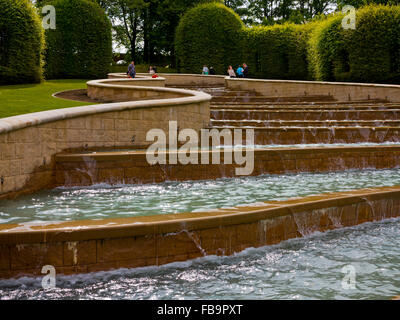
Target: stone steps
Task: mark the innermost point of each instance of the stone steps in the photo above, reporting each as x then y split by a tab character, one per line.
286	124
309	115
307	107
265	99
320	135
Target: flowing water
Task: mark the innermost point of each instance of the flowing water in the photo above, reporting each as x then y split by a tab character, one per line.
104	201
314	267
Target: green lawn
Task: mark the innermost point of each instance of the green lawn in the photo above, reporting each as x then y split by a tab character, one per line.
21	99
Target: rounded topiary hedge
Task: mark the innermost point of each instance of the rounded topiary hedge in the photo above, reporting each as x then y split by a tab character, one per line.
80	46
209	34
322	50
277	52
368	53
21	43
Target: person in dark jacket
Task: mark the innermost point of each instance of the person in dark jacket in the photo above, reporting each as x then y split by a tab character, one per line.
131	70
212	71
245	70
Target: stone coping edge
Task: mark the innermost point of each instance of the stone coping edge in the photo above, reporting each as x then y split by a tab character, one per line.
171	223
170	74
33	119
317	82
106	155
227	78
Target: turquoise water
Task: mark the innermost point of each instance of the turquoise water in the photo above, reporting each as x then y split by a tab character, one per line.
306	268
313	267
104	201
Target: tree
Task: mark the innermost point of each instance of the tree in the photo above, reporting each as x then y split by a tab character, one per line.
80	46
209	34
21	43
147	27
125	16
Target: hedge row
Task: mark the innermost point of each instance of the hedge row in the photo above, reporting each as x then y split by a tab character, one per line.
209	34
320	50
369	53
21	43
277	52
81	45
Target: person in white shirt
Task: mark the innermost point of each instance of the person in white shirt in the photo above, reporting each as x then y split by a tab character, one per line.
231	72
205	70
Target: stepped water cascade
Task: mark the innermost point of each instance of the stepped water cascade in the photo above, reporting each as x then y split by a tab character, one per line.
324	193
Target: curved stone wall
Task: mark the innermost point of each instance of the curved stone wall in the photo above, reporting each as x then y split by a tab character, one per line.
28	143
182	80
30	147
118	90
89	246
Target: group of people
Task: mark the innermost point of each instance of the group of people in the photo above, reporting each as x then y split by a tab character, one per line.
207	71
241	72
132	71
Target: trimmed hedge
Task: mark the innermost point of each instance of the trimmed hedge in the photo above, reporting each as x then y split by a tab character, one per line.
209	34
21	43
370	53
277	52
214	35
80	46
320	50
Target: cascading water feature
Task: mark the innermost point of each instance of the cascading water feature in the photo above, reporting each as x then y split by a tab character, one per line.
282	122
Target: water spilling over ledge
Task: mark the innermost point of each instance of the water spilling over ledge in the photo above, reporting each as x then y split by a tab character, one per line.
121	201
232	218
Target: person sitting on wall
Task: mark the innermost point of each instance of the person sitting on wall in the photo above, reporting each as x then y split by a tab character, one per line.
239	72
245	70
212	71
231	72
131	70
205	70
151	70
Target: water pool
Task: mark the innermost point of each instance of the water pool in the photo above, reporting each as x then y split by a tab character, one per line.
103	201
306	268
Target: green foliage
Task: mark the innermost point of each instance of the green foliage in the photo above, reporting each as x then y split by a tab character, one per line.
80	46
319	50
274	52
209	34
277	52
369	53
322	50
21	43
